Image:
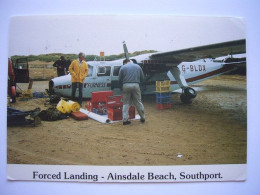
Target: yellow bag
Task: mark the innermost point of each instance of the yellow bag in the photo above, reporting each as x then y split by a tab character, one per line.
62	106
68	107
73	106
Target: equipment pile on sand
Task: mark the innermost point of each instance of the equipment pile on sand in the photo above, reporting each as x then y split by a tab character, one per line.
66	107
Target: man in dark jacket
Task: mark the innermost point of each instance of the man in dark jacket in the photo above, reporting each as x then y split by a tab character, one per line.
61	66
68	62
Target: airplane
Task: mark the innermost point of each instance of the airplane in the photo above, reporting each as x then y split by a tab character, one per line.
182	67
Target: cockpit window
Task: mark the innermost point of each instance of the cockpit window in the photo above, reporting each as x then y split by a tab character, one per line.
104	71
116	70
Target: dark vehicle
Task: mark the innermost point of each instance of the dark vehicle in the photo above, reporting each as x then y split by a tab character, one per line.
21	70
18	72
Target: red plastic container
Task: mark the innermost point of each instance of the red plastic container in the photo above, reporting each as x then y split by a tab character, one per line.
163	106
115	114
89	106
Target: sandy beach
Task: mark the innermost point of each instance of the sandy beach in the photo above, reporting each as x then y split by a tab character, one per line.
211	130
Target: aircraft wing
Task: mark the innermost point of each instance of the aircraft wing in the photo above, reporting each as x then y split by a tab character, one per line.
201	52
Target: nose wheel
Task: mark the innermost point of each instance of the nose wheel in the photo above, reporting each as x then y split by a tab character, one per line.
187	95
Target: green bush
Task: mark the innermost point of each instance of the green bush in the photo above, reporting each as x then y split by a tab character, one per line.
52	57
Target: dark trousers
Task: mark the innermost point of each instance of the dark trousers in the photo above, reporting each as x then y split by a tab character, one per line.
74	87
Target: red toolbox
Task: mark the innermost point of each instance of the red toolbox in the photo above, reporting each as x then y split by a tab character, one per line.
79	116
98	98
114	101
115	114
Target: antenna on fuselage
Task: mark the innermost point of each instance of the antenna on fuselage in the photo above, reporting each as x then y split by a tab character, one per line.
125	50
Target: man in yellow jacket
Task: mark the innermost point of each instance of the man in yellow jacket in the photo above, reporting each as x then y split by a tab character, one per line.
78	70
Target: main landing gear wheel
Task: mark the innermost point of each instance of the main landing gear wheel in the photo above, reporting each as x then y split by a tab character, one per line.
190	92
187	95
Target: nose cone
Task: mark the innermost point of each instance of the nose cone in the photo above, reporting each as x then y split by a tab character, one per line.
56	84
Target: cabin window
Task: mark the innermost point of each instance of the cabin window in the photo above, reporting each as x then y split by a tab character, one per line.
90	71
104	71
116	70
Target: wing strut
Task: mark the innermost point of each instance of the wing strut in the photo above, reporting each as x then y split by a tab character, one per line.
188	93
178	77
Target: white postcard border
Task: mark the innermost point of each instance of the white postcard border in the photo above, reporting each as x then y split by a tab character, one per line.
124	174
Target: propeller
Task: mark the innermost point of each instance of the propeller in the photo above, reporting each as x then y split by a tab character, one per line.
125	50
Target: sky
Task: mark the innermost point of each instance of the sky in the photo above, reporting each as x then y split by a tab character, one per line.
34	35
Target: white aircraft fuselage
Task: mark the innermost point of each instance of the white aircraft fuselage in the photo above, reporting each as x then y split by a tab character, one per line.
182	67
102	75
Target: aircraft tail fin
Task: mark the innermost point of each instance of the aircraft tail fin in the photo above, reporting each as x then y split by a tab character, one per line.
236	61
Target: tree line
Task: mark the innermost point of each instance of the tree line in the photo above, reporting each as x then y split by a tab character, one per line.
52	57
